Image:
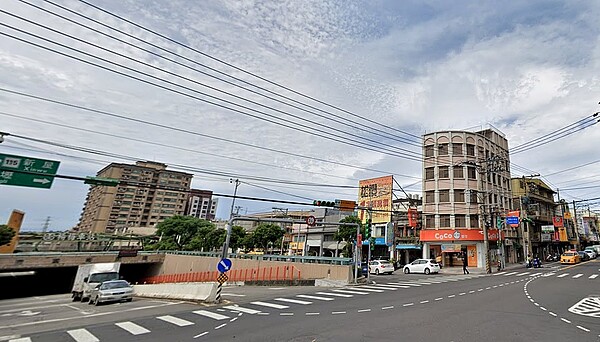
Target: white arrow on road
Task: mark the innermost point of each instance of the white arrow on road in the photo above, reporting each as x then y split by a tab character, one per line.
29	313
41	180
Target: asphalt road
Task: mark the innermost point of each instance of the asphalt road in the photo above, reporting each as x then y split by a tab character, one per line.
549	304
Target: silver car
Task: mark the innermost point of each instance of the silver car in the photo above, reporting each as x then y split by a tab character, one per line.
111	291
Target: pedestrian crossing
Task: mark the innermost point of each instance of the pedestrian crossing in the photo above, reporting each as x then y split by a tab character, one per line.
557	274
282	305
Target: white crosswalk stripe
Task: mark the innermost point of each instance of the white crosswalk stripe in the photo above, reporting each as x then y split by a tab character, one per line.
501	273
548	274
335	294
295	301
511	273
362	288
22	339
394	286
563	275
211	314
315	297
351	292
522	274
377	287
174	320
270	305
578	276
593	276
406	284
132	328
241	309
82	335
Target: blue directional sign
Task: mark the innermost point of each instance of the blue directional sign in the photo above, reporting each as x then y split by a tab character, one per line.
224	265
512	220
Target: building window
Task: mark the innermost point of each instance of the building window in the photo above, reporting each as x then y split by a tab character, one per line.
470	150
458	172
429	151
429	173
459	196
442	149
430	197
457	149
460	221
429	221
471	173
444	221
443	172
473	197
474	221
444	195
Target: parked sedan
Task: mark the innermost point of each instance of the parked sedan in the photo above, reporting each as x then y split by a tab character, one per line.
592	254
111	291
583	256
381	266
422	266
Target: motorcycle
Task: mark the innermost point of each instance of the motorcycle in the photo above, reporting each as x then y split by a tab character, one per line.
552	258
537	263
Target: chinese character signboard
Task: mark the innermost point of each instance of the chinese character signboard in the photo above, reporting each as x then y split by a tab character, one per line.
376	193
28	172
558	221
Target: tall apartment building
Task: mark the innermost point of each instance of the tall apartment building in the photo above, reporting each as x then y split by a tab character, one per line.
466	185
202	205
148	194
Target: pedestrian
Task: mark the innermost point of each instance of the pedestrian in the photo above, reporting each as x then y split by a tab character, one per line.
465	261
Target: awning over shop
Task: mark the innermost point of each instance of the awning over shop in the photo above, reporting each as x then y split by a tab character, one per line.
408	246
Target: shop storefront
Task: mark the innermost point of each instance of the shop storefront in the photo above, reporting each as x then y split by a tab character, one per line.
450	244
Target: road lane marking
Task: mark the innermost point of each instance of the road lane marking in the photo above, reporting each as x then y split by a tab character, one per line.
462	293
202	334
472	291
338	312
424	301
23	339
552	313
409	304
387	307
511	273
364	310
271	305
174	320
132	328
440	298
82	335
584	329
489	287
379	287
593	276
210	314
335	294
563	275
500	273
577	275
479	290
233	319
543	308
220	326
315	297
522	274
313	313
451	296
233	294
351	292
406	284
286	314
565	320
295	301
383	286
241	309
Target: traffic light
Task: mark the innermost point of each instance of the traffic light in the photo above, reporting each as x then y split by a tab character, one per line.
368	228
319	203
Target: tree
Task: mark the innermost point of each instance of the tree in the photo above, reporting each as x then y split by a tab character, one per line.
348	233
182	229
238	234
265	234
6	234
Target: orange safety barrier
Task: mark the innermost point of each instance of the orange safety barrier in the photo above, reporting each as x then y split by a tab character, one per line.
279	273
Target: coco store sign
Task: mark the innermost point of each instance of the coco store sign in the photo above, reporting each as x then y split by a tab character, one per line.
457	235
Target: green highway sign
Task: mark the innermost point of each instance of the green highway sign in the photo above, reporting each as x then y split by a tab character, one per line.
20	163
28	172
25	179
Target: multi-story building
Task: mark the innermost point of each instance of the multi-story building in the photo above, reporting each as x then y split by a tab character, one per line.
201	204
147	194
541	233
466	185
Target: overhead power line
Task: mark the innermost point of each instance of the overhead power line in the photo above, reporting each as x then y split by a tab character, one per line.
242	70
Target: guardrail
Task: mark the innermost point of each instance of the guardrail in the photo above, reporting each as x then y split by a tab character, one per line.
275	273
270	257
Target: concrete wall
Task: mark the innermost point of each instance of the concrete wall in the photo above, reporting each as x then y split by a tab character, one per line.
20	261
185	291
178	264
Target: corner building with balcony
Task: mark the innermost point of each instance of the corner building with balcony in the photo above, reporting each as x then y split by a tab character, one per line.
147	194
466	185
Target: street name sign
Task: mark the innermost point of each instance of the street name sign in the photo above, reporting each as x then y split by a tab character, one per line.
26	171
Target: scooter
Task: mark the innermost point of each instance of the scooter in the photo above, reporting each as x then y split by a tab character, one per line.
537	263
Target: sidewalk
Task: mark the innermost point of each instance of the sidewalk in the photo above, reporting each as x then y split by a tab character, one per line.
479	270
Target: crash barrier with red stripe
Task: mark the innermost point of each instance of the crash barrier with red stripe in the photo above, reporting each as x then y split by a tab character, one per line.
274	273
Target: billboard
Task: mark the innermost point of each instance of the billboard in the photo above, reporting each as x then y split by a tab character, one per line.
376	193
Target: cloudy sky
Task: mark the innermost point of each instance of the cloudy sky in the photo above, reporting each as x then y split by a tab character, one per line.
284	93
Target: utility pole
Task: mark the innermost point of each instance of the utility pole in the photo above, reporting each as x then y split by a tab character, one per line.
46	225
228	226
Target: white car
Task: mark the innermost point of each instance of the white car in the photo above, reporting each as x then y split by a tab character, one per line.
591	253
381	266
111	291
422	266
